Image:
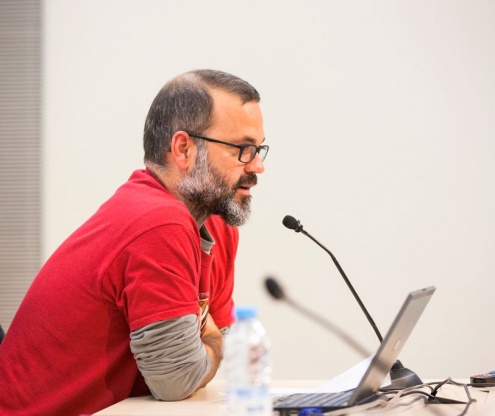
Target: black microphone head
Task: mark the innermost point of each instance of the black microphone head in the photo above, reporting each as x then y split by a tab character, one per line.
292	224
274	288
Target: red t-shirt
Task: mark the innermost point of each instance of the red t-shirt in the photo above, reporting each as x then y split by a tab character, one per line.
136	261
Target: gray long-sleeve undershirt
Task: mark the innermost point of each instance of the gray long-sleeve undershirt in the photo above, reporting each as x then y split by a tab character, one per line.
171	357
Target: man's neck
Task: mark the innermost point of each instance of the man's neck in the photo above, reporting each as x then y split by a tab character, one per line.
161	176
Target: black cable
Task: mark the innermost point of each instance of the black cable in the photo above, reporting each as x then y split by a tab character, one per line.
424	393
439	385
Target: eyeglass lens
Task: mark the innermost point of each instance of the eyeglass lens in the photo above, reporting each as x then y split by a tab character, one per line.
248	153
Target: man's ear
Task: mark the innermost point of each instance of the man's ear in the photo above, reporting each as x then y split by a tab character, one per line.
182	149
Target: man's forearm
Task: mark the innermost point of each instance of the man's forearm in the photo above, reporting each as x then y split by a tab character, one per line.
213	345
212	339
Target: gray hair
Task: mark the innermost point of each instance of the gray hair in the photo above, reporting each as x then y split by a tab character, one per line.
185	103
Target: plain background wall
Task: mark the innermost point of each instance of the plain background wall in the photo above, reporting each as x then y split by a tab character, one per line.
380	116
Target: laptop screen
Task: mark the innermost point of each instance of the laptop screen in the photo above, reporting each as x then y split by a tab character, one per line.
392	344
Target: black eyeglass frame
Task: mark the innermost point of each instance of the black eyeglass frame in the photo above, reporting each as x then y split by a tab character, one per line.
241	148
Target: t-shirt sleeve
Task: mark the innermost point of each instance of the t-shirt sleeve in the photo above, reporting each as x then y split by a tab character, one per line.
156	276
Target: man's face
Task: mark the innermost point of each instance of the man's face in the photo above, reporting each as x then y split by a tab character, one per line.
208	192
219	183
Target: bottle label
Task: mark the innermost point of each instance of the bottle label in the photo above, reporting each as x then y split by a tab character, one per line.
252	401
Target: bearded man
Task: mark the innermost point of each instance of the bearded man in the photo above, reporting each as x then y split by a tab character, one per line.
138	298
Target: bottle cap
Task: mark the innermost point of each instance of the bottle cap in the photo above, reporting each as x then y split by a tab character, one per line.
246	311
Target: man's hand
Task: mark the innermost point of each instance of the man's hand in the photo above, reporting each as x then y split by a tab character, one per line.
212	339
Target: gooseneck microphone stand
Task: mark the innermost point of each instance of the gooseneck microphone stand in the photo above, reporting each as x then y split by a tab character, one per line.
400	376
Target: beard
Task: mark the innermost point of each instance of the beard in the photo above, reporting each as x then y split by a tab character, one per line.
205	192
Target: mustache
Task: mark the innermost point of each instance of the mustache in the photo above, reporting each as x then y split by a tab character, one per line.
249	179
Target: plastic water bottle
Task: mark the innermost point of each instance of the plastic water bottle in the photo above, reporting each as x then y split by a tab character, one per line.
247	361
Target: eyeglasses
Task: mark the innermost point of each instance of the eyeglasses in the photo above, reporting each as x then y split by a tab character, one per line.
247	152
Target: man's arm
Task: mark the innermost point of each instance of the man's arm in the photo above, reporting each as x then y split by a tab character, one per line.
212	339
174	359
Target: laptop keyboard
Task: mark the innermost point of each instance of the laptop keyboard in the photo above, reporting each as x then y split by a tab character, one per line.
326	401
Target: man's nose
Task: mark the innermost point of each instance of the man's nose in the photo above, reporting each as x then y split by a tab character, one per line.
256	165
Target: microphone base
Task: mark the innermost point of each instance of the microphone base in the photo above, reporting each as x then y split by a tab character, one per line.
402	377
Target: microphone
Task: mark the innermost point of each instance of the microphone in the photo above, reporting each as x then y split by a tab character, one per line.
276	291
292	224
401	377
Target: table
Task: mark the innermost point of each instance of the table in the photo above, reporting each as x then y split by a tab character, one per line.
209	401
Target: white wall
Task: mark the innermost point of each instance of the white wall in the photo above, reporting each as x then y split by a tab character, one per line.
380	116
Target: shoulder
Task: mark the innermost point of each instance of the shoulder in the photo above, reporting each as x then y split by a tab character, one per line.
143	199
140	207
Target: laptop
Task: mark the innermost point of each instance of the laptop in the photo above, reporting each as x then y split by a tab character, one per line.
377	370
